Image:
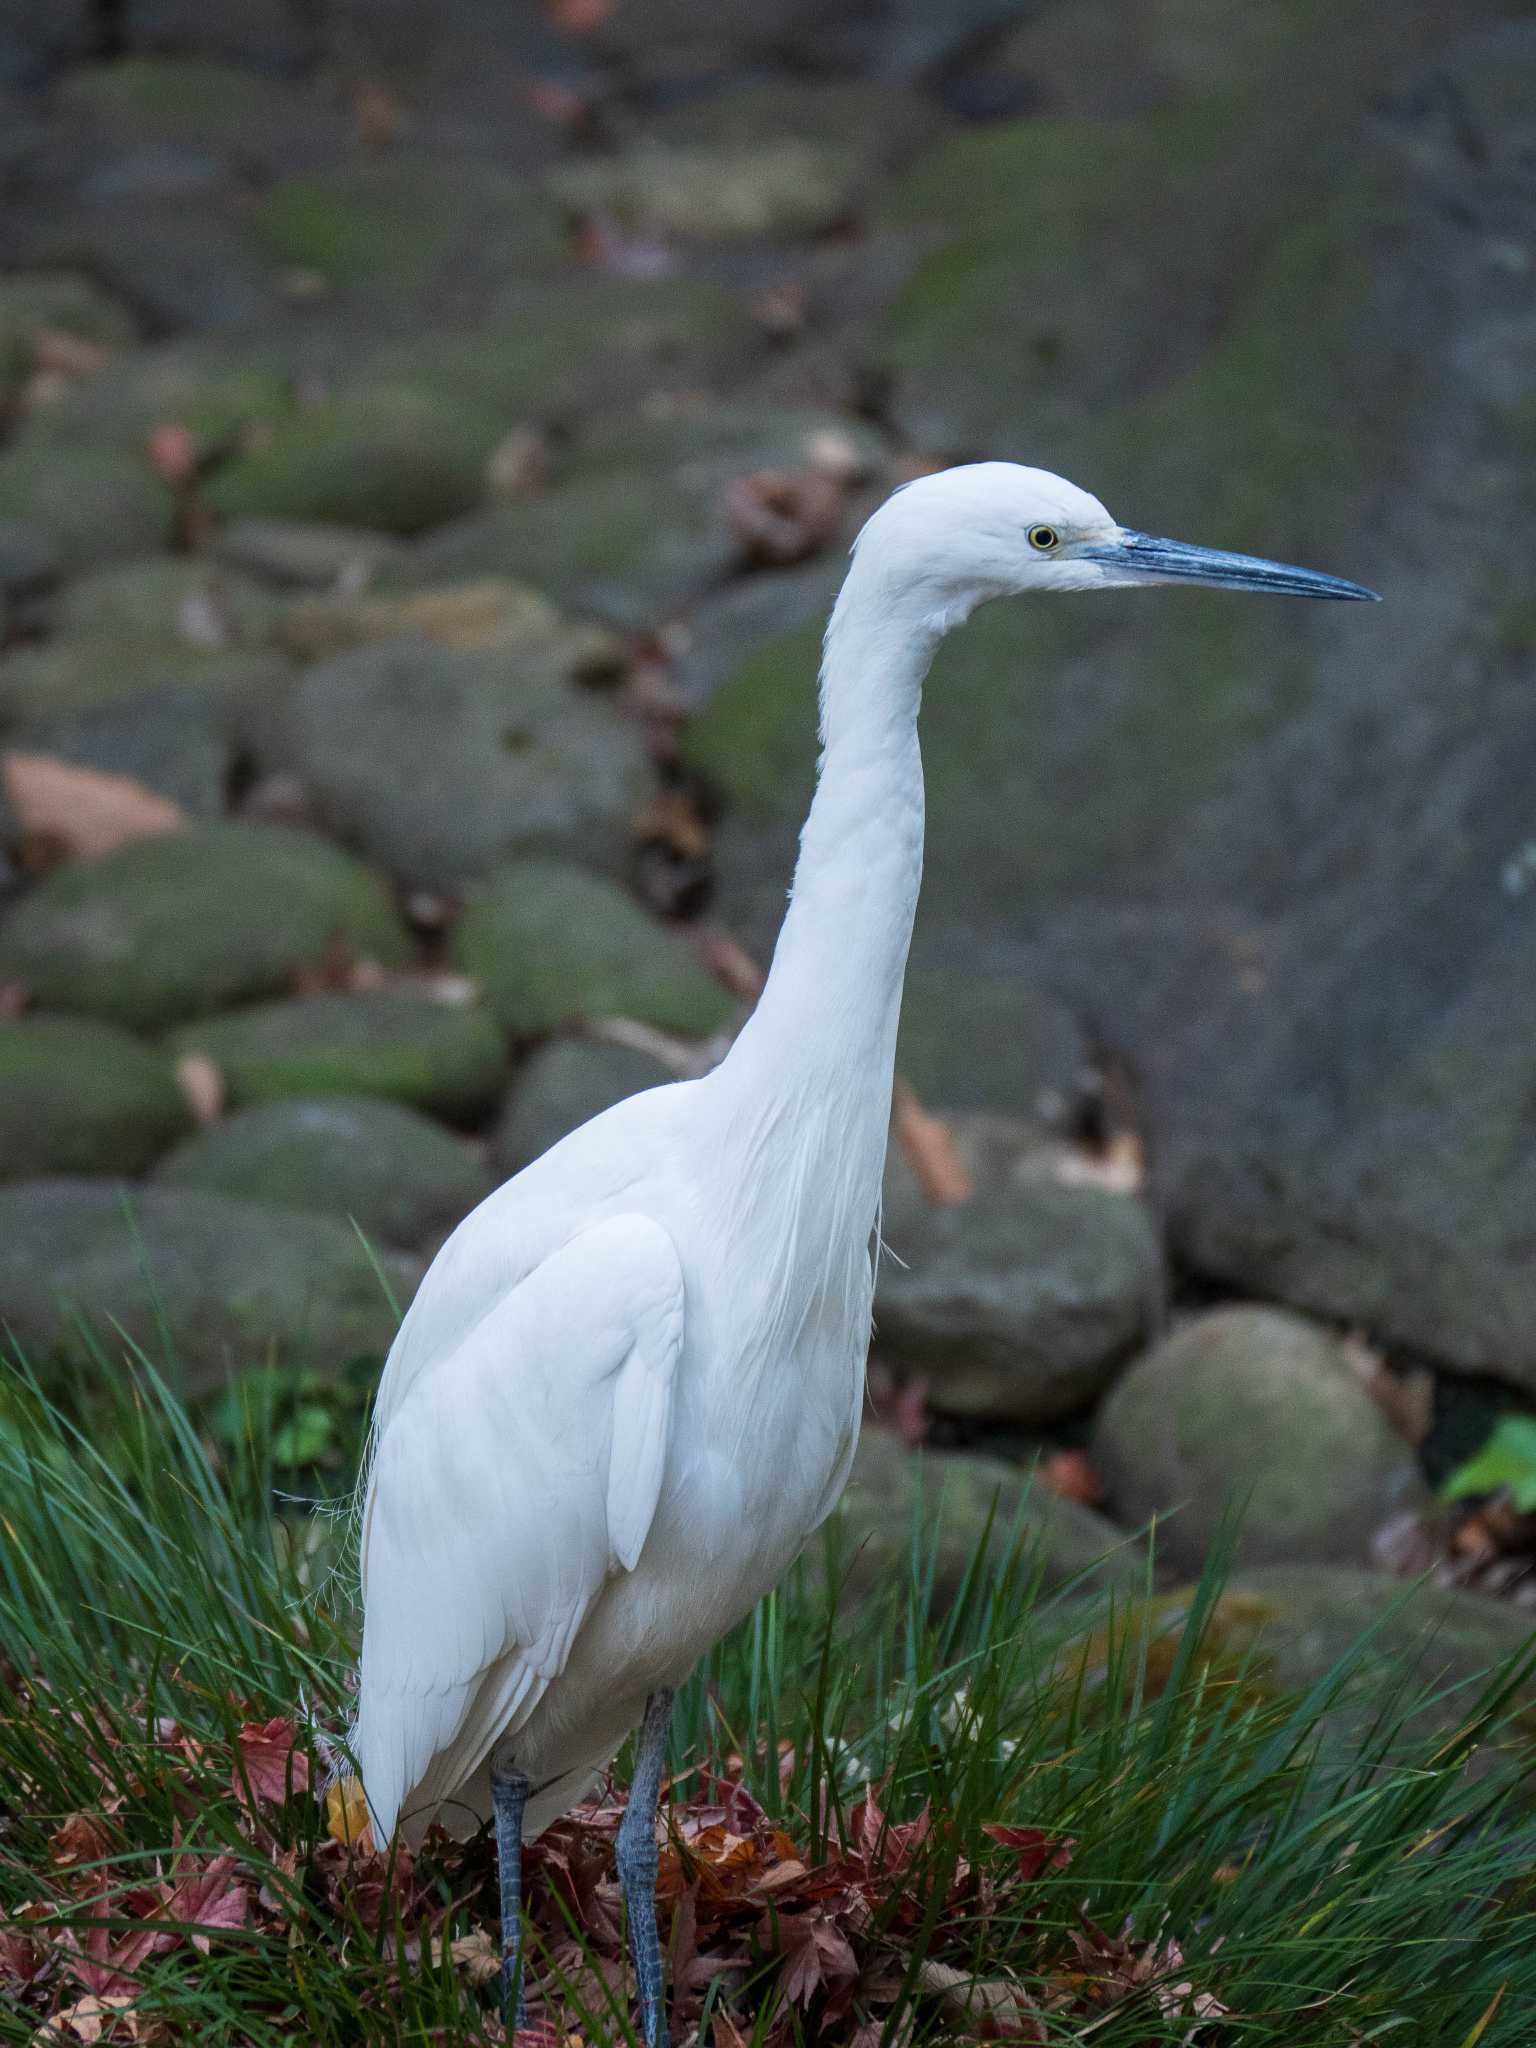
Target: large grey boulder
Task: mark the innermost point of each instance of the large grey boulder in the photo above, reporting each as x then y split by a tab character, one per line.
1277	856
204	1283
177	926
1256	1411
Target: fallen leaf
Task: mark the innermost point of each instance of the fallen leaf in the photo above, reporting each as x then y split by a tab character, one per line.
174	455
579	17
780	517
1035	1850
81	1838
377	115
271	1764
817	1956
87	2020
209	1900
202	1083
70	355
83	811
930	1149
1069	1474
346	1814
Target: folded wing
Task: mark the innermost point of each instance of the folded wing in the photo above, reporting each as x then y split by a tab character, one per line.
518	1474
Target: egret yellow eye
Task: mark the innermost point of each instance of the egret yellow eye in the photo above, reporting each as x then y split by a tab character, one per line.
1044	538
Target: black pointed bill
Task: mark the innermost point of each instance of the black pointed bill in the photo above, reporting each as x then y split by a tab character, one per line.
1141	555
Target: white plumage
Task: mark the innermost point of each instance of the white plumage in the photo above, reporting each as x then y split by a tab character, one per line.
629	1387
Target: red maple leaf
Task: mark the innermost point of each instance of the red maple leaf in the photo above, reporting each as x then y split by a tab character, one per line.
271	1764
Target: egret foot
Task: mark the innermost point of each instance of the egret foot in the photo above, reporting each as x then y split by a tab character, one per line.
509	1796
636	1850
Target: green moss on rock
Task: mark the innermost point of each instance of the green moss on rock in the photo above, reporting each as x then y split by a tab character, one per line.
552	944
446	1058
400	1178
177	926
204	1283
79	1097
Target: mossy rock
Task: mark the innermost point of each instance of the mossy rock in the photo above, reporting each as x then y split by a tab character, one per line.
203	1283
168	597
488	612
749	185
398	226
507	756
1253	1410
553	944
385	455
446	1058
84	672
62	300
177	926
564	1085
1380	1645
578	345
94	501
176	96
1020	1304
634	530
79	1097
179	742
948	1502
400	1178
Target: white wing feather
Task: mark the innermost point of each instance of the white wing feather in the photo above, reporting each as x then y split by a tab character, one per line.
497	1510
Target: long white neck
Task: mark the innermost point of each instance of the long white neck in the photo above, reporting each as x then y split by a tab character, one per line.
824	1031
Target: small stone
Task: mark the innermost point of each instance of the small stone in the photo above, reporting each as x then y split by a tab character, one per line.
553	944
234	1283
445	1058
85	672
177	926
1253	1405
400	1178
79	1097
1019	1304
564	1085
781	185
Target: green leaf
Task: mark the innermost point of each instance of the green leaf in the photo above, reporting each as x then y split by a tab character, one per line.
306	1437
1505	1464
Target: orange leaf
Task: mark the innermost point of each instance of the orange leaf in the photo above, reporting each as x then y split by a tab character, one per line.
930	1150
81	810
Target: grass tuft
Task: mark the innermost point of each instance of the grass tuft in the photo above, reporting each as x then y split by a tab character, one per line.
1024	1818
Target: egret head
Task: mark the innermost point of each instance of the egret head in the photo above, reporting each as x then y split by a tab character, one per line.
995	529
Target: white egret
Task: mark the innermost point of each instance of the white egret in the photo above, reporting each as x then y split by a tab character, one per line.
629	1388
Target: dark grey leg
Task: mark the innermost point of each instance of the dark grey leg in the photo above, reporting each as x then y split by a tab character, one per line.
509	1795
637	1864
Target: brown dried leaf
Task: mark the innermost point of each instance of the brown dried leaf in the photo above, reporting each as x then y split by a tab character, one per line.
82	811
930	1149
780	517
81	1838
